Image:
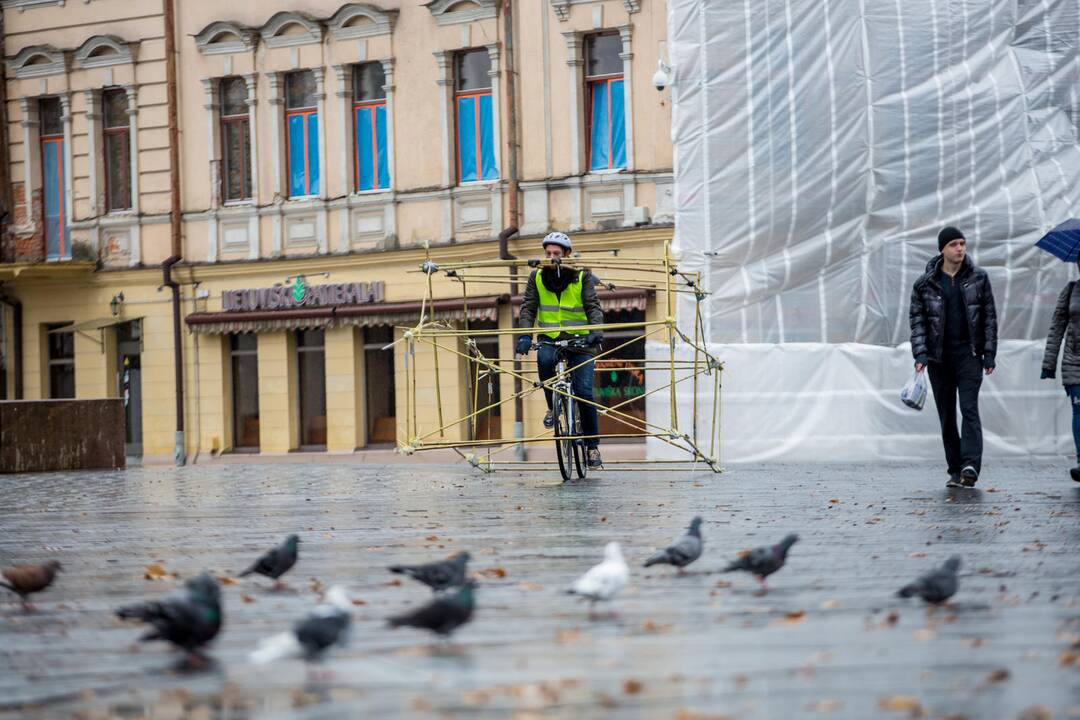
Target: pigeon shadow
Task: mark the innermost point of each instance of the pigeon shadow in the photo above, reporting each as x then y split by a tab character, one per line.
193	664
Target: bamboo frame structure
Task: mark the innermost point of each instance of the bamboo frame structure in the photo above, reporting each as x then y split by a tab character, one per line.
661	276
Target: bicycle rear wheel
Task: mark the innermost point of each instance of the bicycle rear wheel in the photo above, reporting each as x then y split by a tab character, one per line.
580	462
563	445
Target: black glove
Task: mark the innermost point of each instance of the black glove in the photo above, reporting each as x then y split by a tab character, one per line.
524	344
594	338
1047	374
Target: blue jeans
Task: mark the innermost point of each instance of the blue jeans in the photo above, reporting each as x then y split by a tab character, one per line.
1073	391
581	383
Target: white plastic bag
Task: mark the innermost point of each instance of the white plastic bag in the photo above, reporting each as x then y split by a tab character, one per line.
913	393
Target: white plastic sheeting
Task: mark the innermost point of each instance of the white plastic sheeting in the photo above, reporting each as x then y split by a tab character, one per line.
820	146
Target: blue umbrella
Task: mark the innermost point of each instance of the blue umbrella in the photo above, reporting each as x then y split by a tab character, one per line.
1063	241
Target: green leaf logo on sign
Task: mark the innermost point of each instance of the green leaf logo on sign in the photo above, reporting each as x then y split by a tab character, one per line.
298	289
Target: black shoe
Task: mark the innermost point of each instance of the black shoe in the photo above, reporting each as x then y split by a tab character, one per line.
1075	474
549	422
969	476
594	460
954	482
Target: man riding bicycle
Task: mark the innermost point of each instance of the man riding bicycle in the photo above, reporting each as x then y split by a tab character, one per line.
560	301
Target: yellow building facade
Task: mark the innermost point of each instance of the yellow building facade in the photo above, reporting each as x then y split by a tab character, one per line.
325	151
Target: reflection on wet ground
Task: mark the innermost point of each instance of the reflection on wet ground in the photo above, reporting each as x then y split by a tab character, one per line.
830	639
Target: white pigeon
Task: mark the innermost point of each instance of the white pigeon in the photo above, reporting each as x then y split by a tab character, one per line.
603	581
325	626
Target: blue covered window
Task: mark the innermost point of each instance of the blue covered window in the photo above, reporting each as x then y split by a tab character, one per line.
52	179
605	109
474	117
302	134
369	122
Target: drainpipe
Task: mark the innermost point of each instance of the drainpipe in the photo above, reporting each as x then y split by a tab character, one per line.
17	341
178	355
519	405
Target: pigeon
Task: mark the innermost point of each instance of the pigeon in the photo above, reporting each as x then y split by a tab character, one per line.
603	581
25	580
277	561
937	586
443	615
438	575
685	550
764	561
188	618
325	626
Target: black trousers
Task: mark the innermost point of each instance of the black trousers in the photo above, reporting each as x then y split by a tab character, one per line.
959	374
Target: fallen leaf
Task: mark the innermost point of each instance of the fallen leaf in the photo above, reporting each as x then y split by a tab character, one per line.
829	705
830	604
155	572
892	618
603	519
917	555
902	703
315	586
656	628
606	701
394	583
1068	658
632	687
247	598
834	501
793	617
998	676
359	601
420	704
722	584
493	572
1035	712
974	642
925	634
566	637
226	580
529	587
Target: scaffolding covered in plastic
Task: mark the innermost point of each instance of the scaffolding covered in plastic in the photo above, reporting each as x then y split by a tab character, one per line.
820	146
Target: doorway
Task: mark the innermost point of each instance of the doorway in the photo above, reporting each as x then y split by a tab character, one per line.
129	383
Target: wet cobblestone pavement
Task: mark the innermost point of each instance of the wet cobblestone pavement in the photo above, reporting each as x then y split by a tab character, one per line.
830	640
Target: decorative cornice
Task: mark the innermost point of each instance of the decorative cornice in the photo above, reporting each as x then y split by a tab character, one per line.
454	12
360	20
55	62
222	38
562	9
271	31
116	52
24	5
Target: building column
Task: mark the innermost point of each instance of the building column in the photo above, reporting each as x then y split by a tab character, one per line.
575	62
627	57
344	388
324	172
390	211
341	74
93	157
496	123
133	136
253	221
213	153
446	97
29	123
278	414
276	103
69	185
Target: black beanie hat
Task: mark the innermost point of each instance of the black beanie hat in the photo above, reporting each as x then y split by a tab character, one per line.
947	235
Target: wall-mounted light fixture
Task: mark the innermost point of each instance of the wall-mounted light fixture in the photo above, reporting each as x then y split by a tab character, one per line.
116	302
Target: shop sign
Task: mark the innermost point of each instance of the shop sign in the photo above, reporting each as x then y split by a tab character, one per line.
301	295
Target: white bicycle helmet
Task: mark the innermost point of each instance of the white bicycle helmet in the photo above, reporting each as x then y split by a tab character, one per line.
557	238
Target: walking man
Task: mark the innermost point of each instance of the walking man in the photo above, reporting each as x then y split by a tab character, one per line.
563	299
954	337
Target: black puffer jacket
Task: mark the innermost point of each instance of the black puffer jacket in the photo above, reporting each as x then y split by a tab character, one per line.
928	313
1066	318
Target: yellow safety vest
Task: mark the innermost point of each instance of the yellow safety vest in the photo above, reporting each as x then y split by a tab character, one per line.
563	313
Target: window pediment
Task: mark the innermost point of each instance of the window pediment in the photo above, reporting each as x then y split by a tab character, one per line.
288	29
38	61
103	51
359	20
453	12
220	38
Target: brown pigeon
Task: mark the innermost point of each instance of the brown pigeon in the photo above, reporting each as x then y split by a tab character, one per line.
24	580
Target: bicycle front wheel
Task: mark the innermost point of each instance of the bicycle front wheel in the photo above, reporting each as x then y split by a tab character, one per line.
580	462
563	444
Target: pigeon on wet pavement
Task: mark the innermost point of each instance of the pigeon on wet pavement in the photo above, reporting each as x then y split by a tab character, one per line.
276	561
438	575
937	586
188	618
603	581
25	580
443	615
764	561
685	550
325	626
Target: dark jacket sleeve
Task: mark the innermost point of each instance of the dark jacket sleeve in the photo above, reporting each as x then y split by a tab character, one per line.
529	305
591	301
1057	331
990	324
917	317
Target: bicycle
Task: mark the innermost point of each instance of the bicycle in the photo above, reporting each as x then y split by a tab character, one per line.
565	412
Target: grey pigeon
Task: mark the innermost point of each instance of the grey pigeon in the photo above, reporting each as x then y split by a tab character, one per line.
937	586
438	575
188	618
764	561
443	615
25	580
276	561
327	625
685	550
